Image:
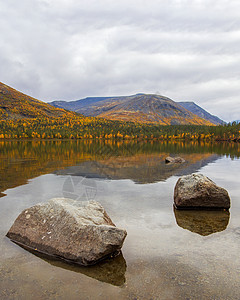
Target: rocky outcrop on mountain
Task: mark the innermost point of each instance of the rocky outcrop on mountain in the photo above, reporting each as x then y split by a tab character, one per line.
79	232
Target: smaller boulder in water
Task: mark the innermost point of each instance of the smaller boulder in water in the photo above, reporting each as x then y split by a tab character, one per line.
197	191
174	160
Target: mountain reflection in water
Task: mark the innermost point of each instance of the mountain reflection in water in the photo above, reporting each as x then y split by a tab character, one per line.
143	162
141	169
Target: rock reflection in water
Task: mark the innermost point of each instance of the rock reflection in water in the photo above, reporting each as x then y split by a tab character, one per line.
202	222
110	270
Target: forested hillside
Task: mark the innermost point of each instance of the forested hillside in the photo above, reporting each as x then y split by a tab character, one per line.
15	105
23	117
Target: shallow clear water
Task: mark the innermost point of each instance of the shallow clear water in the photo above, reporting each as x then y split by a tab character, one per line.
166	255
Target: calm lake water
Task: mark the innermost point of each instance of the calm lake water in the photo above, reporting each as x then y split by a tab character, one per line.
167	254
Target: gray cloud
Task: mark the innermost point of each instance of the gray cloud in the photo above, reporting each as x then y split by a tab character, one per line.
69	49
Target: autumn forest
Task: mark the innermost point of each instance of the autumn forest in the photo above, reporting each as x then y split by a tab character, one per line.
23	117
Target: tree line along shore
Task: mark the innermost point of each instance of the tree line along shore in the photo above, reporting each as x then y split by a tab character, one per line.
97	128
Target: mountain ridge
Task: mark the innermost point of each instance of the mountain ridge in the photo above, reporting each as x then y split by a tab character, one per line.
140	108
146	108
202	113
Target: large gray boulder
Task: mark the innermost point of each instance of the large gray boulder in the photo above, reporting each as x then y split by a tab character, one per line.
197	191
79	232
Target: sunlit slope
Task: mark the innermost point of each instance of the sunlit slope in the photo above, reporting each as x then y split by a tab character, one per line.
144	108
16	105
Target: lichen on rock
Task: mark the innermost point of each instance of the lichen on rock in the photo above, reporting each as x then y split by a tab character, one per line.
76	231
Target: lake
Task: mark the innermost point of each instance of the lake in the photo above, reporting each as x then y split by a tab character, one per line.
167	254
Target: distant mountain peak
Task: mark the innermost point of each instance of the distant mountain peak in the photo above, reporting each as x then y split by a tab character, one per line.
202	113
143	108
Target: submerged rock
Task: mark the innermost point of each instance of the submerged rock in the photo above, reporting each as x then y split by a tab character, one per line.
174	160
80	232
202	222
109	270
197	191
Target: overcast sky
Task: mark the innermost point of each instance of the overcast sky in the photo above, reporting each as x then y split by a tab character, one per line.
188	50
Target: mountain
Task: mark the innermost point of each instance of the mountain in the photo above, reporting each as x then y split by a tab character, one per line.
16	105
82	103
199	111
78	104
140	168
144	108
